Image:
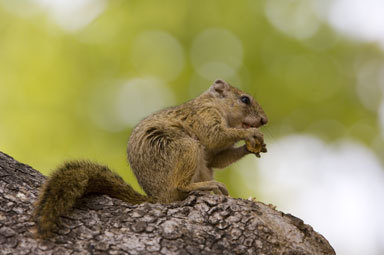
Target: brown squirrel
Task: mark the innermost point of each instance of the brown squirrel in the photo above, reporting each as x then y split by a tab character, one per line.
171	152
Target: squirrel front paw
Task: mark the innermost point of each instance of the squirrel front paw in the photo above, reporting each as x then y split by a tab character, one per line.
255	146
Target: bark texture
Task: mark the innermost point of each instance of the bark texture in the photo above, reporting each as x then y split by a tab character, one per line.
201	224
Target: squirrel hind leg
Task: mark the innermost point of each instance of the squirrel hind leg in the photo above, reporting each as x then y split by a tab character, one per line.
191	172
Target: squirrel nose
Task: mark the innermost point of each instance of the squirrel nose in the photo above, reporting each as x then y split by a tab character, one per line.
263	120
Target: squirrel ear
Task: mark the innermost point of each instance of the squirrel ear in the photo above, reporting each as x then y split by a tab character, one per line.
219	87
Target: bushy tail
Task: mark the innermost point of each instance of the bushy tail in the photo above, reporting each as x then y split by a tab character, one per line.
70	182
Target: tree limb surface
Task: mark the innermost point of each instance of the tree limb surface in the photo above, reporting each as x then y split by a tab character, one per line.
201	224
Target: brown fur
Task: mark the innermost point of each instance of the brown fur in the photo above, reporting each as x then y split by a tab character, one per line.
171	152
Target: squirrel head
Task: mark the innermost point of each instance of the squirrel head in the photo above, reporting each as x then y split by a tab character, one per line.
240	109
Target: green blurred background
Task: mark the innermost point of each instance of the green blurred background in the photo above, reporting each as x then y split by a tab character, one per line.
76	76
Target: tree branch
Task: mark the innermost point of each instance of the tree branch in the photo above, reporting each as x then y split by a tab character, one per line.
201	224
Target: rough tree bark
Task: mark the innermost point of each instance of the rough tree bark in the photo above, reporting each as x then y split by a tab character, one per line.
202	224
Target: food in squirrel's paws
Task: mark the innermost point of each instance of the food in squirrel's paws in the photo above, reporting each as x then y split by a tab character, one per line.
260	147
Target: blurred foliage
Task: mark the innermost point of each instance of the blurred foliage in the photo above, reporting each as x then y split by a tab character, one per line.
54	82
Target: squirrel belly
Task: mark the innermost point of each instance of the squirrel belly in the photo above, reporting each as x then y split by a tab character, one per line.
72	181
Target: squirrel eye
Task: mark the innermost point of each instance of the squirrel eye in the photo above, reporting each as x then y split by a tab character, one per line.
245	99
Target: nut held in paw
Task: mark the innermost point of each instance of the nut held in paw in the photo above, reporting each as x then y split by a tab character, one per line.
256	149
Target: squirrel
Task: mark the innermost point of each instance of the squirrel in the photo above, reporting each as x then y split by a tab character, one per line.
171	152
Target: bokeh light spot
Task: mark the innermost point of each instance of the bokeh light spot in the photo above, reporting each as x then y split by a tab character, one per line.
139	97
216	53
368	84
115	108
158	53
296	18
381	118
359	19
74	15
